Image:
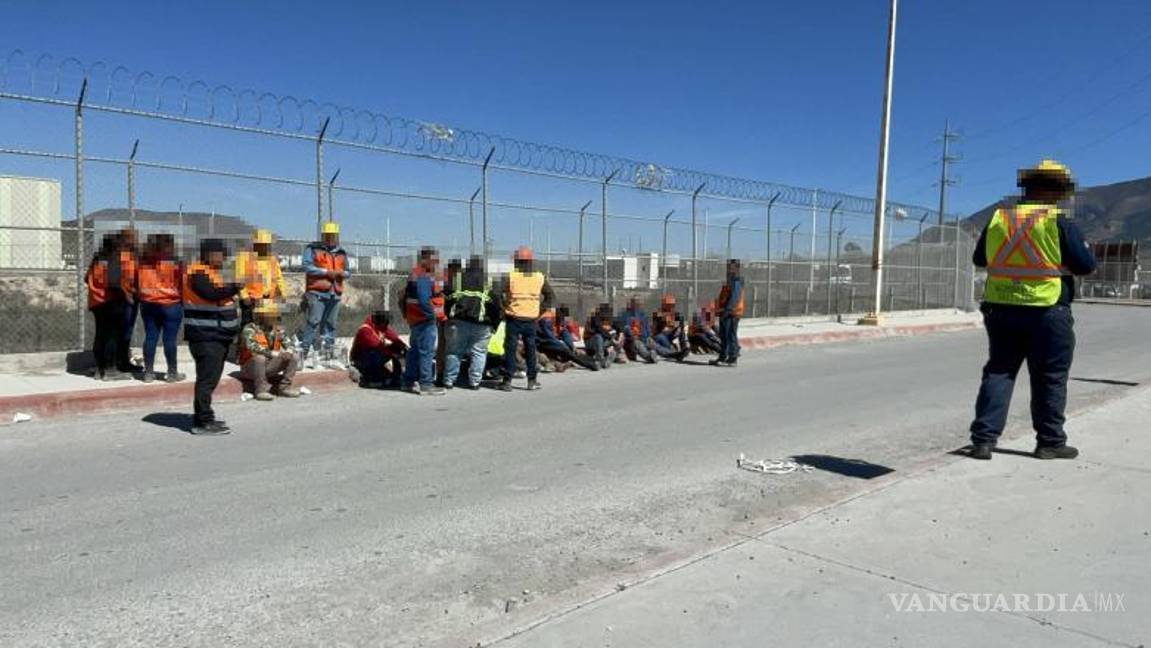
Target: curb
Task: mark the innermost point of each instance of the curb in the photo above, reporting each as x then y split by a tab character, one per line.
1130	303
858	333
92	401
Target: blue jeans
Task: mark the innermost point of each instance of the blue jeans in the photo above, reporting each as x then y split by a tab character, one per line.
470	338
323	311
161	318
419	365
1045	338
728	338
514	330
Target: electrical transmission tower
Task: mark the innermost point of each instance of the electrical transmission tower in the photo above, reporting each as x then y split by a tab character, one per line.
944	161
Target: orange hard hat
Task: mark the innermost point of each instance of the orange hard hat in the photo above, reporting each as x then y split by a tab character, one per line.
523	253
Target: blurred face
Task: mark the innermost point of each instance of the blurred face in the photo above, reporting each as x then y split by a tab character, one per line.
262	249
330	240
215	258
127	238
269	321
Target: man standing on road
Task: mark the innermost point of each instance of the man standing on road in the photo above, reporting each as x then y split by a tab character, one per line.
730	309
423	310
210	326
472	312
326	269
527	294
1030	251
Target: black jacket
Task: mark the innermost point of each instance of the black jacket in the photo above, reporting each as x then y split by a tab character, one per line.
472	308
204	323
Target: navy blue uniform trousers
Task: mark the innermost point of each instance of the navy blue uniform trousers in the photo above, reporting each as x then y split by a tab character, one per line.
1045	339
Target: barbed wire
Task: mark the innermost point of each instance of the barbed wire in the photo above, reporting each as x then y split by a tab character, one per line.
117	87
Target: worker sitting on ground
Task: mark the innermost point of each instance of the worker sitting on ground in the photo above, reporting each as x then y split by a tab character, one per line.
701	335
670	339
263	359
636	333
555	350
601	340
378	352
567	328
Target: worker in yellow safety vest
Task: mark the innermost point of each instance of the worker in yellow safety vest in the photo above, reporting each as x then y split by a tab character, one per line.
1031	251
526	295
259	274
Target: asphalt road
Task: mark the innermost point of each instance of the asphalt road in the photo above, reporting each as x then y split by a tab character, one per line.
370	518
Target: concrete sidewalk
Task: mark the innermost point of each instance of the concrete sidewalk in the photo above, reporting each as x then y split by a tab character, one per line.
948	539
39	384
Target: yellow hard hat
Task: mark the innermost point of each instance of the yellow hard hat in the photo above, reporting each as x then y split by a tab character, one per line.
330	228
1046	168
262	236
268	307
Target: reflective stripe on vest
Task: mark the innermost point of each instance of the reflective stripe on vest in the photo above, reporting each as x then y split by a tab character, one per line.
1023	257
524	290
203	313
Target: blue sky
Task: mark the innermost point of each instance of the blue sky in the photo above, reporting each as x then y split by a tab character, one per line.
788	92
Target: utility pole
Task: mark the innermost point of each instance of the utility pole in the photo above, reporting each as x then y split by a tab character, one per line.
873	317
944	160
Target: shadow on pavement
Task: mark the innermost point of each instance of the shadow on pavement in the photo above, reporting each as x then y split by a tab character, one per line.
857	468
176	420
1106	381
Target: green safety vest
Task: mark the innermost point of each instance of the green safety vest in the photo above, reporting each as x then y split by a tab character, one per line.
483	295
1023	256
496	341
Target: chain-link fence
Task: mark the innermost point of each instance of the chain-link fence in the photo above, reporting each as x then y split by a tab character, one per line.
117	148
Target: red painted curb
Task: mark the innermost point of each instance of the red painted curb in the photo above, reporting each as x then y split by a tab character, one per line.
89	401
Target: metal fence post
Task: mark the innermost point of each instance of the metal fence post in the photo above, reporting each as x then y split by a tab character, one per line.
331	184
729	226
320	178
663	254
919	262
472	221
838	248
694	301
132	185
80	252
603	231
770	204
484	204
579	262
957	230
830	226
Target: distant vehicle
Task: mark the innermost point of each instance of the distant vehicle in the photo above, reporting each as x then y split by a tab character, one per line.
842	276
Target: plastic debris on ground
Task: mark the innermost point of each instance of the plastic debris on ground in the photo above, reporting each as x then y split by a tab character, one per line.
305	391
772	466
245	397
21	417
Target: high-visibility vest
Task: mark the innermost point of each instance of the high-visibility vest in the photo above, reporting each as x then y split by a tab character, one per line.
458	294
261	275
496	341
216	318
335	261
1023	256
725	295
96	279
128	275
160	283
524	292
275	345
413	314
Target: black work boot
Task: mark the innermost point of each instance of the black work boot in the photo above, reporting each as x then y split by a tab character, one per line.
505	385
981	451
1056	452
